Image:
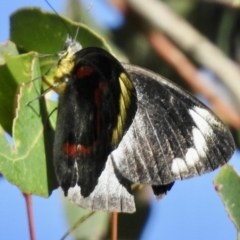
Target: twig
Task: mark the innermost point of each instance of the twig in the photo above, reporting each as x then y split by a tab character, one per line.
80	221
28	200
174	57
114	225
158	14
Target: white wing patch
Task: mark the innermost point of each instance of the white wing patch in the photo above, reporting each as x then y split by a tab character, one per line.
192	157
179	166
207	116
203	130
202	121
108	195
199	142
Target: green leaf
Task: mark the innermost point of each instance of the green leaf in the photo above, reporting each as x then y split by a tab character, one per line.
52	31
10	79
28	164
95	227
7	48
227	184
44	32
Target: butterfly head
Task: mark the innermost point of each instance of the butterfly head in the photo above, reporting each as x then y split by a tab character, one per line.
71	45
66	62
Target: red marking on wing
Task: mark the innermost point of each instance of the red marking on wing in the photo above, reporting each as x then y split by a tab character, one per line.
72	149
97	99
98	93
97	96
84	71
84	151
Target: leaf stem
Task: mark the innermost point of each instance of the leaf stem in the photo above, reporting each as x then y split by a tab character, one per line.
114	225
28	199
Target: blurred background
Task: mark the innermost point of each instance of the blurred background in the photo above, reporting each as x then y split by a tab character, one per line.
193	43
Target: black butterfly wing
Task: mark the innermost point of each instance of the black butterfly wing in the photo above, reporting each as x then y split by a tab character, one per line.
173	135
97	104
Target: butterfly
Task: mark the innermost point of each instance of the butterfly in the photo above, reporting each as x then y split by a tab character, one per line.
120	124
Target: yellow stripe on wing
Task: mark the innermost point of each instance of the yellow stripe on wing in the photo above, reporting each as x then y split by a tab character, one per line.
126	88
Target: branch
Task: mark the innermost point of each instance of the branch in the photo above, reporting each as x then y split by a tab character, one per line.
175	58
191	41
77	224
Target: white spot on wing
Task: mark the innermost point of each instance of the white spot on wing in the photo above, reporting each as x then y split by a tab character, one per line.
201	133
184	167
207	116
199	142
179	166
191	157
201	121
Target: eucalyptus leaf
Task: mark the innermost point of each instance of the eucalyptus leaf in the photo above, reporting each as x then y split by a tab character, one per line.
26	165
29	164
227	184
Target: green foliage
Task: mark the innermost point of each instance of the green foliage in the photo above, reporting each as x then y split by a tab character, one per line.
44	32
46	41
94	228
227	184
29	163
8	83
25	164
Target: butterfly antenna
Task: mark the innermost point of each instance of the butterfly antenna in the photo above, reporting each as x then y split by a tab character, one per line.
88	9
45	56
76	34
64	23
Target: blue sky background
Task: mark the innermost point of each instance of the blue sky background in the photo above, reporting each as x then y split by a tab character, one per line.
191	210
